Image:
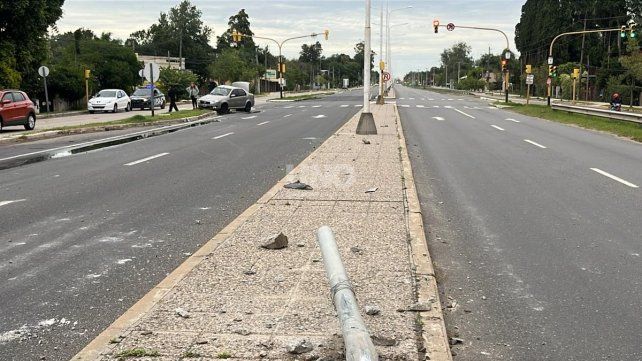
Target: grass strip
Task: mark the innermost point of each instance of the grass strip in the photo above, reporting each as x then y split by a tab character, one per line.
615	126
140	119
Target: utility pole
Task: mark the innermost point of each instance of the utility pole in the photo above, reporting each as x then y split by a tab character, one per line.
582	51
458	69
366	121
180	50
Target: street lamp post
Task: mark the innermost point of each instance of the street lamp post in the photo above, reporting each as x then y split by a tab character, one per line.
366	123
388	26
281	69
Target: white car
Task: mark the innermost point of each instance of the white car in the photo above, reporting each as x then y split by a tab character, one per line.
109	100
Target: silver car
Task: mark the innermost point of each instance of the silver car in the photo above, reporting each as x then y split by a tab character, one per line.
225	97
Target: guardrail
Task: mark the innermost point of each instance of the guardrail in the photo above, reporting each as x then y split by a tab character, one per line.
628	116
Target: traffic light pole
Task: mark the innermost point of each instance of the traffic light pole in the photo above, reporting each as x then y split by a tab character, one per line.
550	49
507	73
280	46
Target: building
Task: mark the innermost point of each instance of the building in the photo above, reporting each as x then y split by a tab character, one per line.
172	62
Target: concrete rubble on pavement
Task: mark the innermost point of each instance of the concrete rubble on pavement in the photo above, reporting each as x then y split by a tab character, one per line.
240	300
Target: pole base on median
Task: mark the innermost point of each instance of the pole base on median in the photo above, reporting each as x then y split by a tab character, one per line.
366	124
380	100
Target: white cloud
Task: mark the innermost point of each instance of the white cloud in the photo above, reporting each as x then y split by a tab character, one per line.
414	46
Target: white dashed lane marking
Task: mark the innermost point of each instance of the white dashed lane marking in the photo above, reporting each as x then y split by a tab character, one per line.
264	122
534	143
615	178
513	120
468	115
318	116
146	159
344	105
498	128
250	117
223	135
4	203
287	115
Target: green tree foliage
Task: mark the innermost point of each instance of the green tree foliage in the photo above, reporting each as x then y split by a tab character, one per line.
23	43
177	78
229	66
311	54
241	23
182	25
457	57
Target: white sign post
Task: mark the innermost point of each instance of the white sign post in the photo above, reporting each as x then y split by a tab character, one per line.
44	72
151	73
529	82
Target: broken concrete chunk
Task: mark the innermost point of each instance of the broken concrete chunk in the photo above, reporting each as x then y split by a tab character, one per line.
299	347
456	340
182	312
417	307
372	190
298	185
384	341
372	310
276	242
365	141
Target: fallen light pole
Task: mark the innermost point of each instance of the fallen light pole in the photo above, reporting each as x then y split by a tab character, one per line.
357	340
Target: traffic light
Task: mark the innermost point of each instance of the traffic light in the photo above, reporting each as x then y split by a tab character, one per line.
632	33
623	32
435	24
504	63
282	68
554	71
236	36
528	69
576	73
550	71
87	73
326	34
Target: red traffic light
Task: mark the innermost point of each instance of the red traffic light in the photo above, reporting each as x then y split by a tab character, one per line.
435	24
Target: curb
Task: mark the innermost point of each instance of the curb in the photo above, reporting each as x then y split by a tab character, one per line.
101	342
47	134
433	329
22	159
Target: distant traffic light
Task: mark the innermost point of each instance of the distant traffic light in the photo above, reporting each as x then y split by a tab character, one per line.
550	71
554	71
623	32
435	24
236	36
528	69
326	34
632	33
504	63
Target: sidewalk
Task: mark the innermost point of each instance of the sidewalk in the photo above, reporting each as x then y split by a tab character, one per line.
234	299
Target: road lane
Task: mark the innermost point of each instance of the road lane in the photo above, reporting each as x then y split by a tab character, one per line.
537	255
92	235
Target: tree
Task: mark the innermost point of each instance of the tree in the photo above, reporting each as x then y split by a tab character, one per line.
230	67
23	42
310	54
179	30
240	23
176	78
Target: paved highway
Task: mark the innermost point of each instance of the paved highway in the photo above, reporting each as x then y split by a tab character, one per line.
535	230
83	237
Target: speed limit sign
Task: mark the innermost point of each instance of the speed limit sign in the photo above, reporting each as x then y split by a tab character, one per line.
386	76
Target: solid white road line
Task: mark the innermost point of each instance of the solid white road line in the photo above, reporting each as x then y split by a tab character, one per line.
419	106
468	115
534	143
223	135
4	203
344	105
627	183
498	128
318	116
250	117
264	122
513	120
438	118
146	159
287	115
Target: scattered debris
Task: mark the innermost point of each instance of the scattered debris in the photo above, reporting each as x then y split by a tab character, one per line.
300	244
146	333
298	185
198	221
249	272
365	141
299	347
242	332
417	307
456	340
276	242
372	190
182	312
372	310
356	250
384	341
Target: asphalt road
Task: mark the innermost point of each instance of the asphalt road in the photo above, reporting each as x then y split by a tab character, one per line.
534	227
83	237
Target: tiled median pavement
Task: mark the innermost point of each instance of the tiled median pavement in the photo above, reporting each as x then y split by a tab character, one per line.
247	303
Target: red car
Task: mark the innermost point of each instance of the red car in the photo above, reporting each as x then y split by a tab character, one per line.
16	109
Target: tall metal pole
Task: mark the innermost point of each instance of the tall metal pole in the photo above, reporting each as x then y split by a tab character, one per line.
366	120
381	68
44	78
280	73
151	80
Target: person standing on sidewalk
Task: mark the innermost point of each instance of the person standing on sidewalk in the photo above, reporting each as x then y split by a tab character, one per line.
193	91
172	98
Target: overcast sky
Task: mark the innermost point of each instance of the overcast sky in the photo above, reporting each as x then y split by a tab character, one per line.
414	46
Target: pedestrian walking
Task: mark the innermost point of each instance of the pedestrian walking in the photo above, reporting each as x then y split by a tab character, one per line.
193	91
172	98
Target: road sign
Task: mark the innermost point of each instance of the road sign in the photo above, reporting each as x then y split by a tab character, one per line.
140	73
270	74
450	27
386	76
550	60
529	79
155	71
43	71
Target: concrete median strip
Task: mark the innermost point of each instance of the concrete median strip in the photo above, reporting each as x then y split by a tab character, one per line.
249	302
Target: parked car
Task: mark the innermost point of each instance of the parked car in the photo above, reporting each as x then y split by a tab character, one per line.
16	109
140	98
109	100
225	97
